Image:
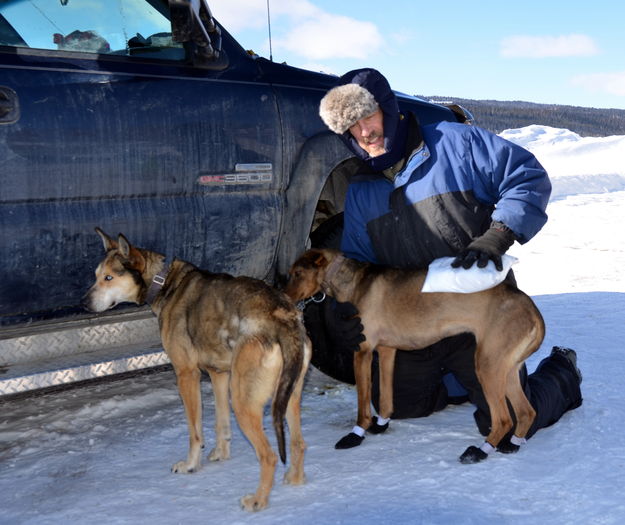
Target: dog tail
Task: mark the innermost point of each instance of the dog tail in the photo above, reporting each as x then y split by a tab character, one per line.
291	340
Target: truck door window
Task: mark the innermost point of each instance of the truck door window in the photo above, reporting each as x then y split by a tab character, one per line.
118	27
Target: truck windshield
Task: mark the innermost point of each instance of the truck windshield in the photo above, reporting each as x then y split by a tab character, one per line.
83	25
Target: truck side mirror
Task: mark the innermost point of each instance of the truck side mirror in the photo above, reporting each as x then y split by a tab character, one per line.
192	25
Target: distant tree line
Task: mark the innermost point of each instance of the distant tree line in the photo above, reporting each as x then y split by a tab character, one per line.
497	116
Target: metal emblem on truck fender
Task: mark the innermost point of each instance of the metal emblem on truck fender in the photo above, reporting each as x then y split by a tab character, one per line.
259	173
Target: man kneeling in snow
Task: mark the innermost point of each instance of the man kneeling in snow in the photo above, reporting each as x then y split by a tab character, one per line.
419	193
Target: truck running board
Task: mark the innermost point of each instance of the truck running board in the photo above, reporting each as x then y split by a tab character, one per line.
69	352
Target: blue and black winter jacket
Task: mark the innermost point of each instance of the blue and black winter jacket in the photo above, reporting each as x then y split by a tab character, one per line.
457	181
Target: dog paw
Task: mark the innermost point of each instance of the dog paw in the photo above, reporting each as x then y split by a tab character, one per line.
183	467
505	447
351	440
294	478
219	454
374	428
473	455
252	503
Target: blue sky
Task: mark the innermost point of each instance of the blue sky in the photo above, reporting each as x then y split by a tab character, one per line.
548	51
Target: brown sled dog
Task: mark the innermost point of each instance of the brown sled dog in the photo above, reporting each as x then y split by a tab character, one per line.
246	335
395	315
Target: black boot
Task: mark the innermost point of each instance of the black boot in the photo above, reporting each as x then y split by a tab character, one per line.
570	356
374	428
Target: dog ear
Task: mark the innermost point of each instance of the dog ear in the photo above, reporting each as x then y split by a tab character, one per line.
320	261
124	246
109	244
131	254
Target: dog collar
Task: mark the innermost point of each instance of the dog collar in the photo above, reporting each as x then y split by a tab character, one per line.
333	268
157	283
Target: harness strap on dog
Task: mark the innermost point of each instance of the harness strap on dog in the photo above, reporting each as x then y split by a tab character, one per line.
157	282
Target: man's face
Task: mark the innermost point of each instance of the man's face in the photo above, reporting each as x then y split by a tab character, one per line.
369	133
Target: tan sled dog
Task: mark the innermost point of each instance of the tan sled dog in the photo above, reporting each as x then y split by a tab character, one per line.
395	314
248	337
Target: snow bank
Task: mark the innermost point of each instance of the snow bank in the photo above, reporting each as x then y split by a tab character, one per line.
576	165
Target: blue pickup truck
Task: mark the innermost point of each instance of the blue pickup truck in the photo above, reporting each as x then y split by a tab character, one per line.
144	117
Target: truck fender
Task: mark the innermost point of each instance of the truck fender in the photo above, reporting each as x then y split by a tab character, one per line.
317	158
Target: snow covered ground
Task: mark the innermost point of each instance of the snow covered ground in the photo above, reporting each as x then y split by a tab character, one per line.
101	454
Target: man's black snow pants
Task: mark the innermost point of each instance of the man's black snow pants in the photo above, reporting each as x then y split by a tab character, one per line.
419	389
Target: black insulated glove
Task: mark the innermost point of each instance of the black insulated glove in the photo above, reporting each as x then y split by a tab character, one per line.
343	326
489	247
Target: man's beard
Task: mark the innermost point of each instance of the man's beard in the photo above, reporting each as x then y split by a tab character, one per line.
377	150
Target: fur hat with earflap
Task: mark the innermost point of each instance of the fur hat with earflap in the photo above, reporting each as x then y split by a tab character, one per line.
345	105
360	93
